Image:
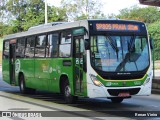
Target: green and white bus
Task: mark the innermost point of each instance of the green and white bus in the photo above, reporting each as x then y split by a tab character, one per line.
89	58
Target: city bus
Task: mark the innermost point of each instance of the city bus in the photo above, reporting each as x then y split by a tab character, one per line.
88	58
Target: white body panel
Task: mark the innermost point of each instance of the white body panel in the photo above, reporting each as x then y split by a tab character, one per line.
94	91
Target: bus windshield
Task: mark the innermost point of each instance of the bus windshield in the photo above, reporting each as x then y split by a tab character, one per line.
119	53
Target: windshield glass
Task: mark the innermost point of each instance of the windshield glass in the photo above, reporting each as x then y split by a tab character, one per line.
119	53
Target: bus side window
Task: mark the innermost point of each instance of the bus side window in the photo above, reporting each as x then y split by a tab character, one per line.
29	52
20	48
65	44
52	46
6	50
40	46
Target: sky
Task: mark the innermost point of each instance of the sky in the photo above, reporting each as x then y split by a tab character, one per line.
109	6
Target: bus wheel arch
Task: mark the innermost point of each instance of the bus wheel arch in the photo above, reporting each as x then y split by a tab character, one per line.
66	90
19	75
22	85
63	78
21	80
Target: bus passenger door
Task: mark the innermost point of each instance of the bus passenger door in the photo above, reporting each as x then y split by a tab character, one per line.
5	62
78	64
12	57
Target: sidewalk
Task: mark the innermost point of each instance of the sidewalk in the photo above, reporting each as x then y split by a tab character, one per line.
156	83
157	73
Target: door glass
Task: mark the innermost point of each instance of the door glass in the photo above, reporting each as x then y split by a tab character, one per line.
79	51
6	50
12	64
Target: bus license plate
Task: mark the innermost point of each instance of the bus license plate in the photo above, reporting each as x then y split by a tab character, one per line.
123	95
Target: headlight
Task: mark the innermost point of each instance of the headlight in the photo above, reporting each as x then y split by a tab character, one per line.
146	81
95	80
148	78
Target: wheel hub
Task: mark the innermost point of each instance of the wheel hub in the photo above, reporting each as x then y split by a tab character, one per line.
67	91
21	85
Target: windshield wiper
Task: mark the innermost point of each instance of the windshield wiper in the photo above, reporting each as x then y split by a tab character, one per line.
131	44
113	45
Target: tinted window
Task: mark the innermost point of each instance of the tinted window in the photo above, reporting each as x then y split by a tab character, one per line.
66	37
65	50
52	48
30	47
6	49
65	46
40	46
20	48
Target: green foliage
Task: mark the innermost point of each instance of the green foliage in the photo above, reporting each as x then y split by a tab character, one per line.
1	29
154	31
82	9
16	9
5	29
34	14
19	15
56	14
147	14
1	44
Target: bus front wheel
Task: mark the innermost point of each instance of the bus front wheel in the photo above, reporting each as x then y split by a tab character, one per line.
67	93
117	100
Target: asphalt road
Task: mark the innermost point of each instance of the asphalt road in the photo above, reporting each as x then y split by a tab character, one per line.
52	105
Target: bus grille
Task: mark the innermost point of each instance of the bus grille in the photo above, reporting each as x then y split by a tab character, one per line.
122	77
131	91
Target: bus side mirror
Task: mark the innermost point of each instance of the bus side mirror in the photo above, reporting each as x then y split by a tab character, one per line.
86	44
151	43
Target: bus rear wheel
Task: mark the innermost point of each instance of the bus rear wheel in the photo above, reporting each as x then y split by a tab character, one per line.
23	88
69	99
117	100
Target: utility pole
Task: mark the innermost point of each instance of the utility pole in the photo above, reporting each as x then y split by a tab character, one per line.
46	18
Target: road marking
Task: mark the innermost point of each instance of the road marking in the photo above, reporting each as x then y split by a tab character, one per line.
153	106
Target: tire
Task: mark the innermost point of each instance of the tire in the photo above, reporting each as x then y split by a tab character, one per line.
23	88
117	100
69	99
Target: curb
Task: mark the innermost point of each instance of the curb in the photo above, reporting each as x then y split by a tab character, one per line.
155	91
156	86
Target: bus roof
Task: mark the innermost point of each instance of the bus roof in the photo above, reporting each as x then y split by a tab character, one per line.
56	26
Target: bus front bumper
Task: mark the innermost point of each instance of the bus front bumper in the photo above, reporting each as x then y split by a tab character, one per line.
107	92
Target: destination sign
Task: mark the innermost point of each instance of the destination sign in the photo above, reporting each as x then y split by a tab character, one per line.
12	41
116	27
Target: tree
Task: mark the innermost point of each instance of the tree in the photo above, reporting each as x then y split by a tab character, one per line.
34	14
23	14
147	14
154	31
82	9
56	14
1	29
16	9
2	8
